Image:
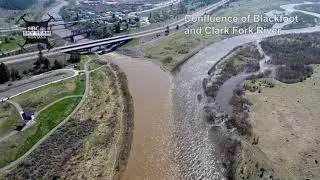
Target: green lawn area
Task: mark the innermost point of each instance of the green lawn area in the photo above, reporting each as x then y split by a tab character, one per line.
11	45
20	143
38	98
48	119
17	144
93	65
9	117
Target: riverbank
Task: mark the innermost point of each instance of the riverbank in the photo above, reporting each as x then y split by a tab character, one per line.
92	144
245	158
177	47
195	148
152	150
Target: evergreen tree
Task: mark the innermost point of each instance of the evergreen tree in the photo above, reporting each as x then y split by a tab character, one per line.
4	73
57	65
75	58
15	74
167	31
6	40
46	64
117	28
39	61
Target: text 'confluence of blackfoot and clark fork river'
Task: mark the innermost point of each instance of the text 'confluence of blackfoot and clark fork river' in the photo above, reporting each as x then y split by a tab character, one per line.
228	30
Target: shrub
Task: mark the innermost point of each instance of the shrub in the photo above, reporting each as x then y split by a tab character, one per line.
167	60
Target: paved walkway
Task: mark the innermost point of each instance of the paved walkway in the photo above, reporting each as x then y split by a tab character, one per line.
85	95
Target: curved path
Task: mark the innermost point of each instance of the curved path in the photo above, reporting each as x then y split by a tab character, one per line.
194	147
85	95
16	105
19	109
25	85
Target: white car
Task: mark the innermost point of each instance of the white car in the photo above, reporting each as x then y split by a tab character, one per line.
5	99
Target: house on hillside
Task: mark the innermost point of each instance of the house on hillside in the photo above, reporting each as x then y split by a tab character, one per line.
26	117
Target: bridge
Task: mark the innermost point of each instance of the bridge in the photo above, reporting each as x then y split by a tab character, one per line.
101	42
77	33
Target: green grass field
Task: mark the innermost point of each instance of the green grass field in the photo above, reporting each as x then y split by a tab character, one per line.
38	98
47	120
19	143
9	117
11	45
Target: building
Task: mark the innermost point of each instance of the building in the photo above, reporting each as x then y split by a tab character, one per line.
26	117
144	21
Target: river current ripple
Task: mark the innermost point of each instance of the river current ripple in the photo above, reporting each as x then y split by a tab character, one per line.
194	150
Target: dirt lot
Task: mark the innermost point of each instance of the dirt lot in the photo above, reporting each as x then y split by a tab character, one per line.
286	120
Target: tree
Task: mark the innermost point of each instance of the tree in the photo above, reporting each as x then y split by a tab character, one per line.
39	61
57	65
117	28
167	31
137	19
4	73
6	40
14	74
75	58
46	64
127	25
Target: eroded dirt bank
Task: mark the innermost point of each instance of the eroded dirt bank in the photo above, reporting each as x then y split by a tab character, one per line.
151	155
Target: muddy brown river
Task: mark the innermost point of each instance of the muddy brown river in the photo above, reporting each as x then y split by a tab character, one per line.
153	154
151	151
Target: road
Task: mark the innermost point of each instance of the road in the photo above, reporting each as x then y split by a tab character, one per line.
64	3
85	95
25	85
32	83
95	43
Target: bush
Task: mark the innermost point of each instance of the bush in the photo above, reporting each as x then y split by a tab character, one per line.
294	73
167	60
183	50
